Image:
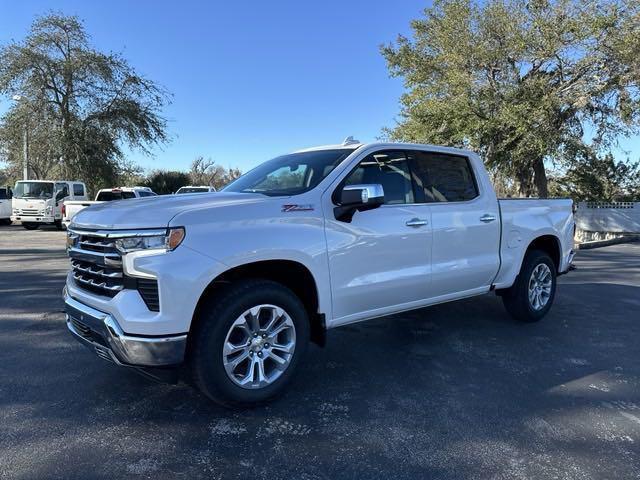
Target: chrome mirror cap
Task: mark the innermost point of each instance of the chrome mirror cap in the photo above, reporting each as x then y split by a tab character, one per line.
370	193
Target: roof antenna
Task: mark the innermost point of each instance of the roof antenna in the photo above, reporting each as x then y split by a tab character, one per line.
350	140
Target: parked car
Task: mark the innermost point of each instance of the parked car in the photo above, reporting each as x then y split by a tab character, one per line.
37	202
195	189
71	208
236	284
5	205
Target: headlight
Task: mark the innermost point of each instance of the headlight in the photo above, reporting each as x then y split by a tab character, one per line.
16	211
49	210
170	241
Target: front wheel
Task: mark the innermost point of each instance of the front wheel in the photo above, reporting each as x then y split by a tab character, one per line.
531	296
248	342
58	224
31	226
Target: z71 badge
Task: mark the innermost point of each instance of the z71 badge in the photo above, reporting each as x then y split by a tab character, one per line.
297	208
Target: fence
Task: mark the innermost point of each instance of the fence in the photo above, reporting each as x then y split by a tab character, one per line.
612	218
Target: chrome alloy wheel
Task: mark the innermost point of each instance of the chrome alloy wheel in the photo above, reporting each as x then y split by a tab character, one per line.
259	346
540	284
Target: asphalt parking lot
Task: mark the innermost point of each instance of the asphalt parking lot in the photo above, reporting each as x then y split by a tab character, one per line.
455	391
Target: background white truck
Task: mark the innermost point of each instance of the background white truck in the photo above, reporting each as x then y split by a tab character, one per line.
236	284
5	205
37	202
195	189
71	208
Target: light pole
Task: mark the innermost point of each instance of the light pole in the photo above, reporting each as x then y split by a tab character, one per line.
25	145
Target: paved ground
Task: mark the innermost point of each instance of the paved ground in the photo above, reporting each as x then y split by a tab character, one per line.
455	391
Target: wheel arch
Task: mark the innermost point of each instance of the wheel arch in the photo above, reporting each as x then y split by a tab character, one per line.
292	274
550	244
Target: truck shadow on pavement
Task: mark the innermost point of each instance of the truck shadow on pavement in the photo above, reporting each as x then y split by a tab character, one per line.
455	390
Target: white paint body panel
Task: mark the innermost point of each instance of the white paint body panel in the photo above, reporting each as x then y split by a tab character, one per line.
373	266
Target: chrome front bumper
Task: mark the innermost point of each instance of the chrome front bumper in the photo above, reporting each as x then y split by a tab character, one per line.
100	332
33	218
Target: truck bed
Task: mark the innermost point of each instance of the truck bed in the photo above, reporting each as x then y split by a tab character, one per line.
526	218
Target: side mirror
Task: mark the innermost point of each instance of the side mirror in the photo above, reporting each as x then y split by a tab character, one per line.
354	198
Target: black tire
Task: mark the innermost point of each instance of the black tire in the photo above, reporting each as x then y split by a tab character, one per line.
31	226
5	221
58	224
516	299
217	316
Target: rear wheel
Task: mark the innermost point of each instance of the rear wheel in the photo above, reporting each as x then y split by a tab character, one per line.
531	296
30	226
248	342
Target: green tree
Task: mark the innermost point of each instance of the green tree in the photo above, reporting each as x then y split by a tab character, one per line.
520	81
79	105
599	178
165	182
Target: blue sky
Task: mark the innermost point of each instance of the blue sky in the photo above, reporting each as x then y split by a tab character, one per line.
250	80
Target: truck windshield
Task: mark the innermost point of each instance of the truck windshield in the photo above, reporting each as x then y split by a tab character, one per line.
33	190
111	195
192	190
290	174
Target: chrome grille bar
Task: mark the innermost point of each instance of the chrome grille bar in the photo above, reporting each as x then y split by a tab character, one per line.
111	288
77	266
96	264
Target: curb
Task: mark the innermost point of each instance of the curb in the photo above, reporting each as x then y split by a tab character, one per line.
606	243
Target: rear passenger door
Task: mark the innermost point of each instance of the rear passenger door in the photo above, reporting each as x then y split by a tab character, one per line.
464	220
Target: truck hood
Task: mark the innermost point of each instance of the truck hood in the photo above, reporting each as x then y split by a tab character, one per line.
155	212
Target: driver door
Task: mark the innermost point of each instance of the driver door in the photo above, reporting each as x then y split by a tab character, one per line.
380	261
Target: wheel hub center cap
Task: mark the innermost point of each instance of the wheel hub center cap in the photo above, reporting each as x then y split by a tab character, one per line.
257	343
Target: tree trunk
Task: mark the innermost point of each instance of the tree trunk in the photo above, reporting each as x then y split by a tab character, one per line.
540	178
523	181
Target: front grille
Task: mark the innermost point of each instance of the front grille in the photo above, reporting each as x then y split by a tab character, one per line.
30	212
96	264
97	279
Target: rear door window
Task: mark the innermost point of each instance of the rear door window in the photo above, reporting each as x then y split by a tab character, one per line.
442	177
78	190
110	196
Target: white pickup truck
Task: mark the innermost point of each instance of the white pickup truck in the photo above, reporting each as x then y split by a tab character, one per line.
195	189
70	209
5	205
236	284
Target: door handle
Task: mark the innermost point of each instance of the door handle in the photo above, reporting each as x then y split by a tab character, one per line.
416	222
486	218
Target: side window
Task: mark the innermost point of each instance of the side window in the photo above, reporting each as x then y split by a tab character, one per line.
388	168
442	177
78	190
63	191
3	194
